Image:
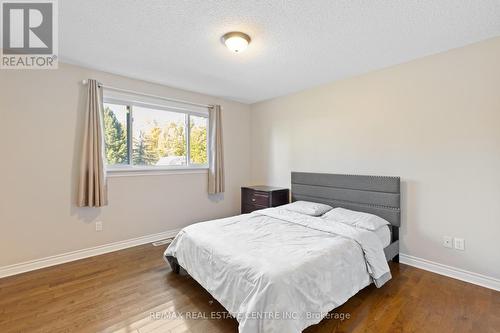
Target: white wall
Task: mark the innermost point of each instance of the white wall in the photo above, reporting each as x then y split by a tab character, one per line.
40	134
435	122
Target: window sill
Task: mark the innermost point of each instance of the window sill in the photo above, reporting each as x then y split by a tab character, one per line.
135	172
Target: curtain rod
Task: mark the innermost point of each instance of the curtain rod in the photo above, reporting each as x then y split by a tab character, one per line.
149	95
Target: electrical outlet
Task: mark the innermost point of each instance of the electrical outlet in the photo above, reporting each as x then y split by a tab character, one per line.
98	226
448	242
459	244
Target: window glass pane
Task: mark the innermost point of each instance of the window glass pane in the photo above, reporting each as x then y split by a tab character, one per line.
198	140
159	137
115	133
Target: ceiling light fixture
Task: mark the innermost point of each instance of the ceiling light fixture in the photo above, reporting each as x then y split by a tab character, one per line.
236	41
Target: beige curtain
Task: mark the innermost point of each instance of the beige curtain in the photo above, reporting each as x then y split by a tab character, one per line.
216	156
92	189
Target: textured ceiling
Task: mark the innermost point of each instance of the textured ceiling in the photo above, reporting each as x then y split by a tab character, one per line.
295	44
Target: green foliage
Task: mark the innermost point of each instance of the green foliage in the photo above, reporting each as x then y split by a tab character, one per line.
115	137
143	152
139	149
173	140
152	149
198	141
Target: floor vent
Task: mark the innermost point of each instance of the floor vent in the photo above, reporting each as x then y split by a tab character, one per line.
163	242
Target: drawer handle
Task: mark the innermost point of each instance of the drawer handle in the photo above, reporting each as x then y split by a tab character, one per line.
253	200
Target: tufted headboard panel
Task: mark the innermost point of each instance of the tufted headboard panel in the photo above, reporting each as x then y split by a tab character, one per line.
379	195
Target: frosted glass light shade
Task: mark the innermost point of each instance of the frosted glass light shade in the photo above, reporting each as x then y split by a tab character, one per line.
237	42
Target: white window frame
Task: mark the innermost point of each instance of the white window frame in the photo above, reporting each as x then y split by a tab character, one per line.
138	101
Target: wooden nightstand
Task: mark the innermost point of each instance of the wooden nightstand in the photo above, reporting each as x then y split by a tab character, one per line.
259	197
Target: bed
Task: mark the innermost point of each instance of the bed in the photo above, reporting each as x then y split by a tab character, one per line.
280	271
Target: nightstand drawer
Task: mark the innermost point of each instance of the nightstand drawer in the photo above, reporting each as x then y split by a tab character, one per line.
248	208
259	198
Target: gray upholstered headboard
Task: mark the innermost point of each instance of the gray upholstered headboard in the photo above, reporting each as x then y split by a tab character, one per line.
371	194
377	195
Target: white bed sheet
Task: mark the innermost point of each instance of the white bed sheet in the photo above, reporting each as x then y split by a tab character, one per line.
279	271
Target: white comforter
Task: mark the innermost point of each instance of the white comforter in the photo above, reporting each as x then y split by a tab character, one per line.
279	271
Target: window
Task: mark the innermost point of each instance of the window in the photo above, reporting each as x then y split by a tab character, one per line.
142	136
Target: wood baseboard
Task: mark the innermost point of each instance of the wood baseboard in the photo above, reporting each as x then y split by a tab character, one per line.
81	254
453	272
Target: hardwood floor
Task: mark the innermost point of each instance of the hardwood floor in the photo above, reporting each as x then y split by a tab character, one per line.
117	292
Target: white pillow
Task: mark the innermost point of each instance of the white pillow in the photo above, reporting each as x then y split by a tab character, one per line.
307	207
356	219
